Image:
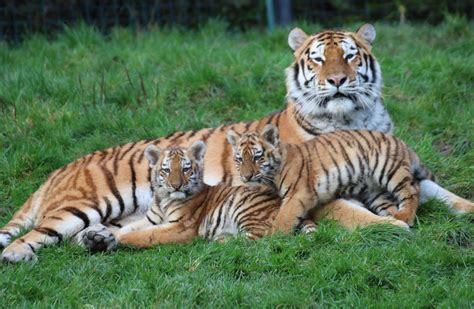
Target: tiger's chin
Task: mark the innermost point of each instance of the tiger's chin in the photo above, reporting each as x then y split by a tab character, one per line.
177	195
340	106
251	183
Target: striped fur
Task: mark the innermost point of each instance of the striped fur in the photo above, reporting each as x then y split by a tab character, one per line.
348	164
113	187
185	207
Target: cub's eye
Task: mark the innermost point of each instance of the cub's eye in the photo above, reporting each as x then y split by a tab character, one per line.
238	157
318	60
186	169
349	56
166	170
257	155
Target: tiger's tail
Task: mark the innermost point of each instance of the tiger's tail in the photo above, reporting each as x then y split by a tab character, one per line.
430	189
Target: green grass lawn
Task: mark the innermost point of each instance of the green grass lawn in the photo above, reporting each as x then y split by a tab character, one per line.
80	92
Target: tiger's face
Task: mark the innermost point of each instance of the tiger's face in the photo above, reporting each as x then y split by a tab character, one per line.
334	72
256	156
176	173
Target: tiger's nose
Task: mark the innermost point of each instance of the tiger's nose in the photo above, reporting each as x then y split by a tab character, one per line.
247	176
337	80
176	185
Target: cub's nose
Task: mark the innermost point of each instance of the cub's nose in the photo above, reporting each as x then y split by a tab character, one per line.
337	80
246	177
176	185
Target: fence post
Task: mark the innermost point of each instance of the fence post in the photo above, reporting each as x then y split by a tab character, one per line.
270	14
278	13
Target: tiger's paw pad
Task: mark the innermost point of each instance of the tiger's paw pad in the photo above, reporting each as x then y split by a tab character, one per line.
18	254
99	239
5	239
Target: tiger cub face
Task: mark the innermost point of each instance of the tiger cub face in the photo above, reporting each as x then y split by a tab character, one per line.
256	157
334	72
176	173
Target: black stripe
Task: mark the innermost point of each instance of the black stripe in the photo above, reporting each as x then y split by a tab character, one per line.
149	219
113	188
175	137
108	210
80	214
372	68
206	136
382	172
134	182
296	74
7	233
49	231
176	220
32	248
401	184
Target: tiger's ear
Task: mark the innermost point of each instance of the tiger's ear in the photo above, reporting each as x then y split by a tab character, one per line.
197	151
270	135
367	33
296	38
232	137
152	153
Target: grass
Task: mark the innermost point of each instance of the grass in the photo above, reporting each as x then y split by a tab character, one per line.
80	92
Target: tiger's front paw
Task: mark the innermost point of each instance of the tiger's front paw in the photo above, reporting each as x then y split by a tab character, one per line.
5	239
99	238
405	216
18	253
308	227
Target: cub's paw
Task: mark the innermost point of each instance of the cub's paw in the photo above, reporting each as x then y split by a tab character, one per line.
5	239
308	227
18	253
99	238
406	217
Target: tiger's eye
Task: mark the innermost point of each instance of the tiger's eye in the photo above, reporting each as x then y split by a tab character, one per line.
186	169
166	170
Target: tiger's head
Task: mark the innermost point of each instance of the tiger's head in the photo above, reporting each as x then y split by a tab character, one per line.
334	73
256	156
176	173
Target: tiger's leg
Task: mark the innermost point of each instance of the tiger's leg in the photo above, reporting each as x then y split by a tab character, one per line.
406	192
431	190
104	238
352	214
59	224
293	210
24	218
168	233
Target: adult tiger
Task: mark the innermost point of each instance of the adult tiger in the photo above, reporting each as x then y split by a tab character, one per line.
334	83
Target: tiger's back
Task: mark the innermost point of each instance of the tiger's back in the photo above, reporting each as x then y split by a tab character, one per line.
349	164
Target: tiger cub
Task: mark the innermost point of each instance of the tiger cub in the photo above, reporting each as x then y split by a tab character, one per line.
348	164
185	207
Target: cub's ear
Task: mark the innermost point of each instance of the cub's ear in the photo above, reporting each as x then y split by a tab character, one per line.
197	151
232	137
296	38
270	135
152	153
367	33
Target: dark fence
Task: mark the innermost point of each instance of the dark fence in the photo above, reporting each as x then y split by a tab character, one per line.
18	17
